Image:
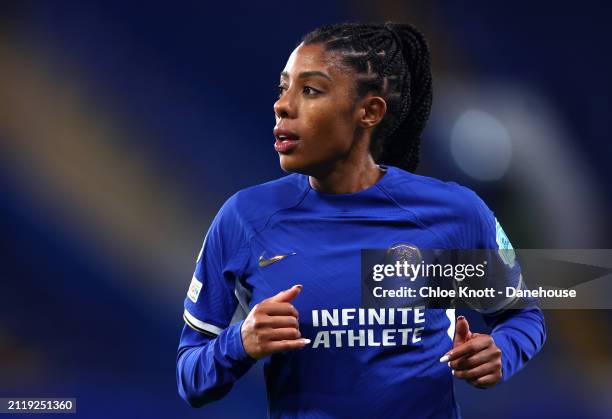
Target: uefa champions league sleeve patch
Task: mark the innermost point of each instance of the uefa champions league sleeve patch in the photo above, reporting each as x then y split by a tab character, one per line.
500	236
506	251
194	289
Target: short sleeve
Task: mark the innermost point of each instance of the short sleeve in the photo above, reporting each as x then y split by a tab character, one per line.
214	298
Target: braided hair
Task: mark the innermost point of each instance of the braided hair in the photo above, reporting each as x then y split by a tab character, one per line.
392	60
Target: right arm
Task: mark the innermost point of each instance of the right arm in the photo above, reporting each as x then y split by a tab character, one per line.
208	366
215	348
210	355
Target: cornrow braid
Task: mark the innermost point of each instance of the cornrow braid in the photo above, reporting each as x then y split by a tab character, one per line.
393	61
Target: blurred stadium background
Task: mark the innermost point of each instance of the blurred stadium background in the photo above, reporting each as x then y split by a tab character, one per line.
125	125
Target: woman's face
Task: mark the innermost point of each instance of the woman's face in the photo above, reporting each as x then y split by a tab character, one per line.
316	116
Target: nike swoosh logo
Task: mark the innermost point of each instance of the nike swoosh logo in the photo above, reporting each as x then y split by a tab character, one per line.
265	262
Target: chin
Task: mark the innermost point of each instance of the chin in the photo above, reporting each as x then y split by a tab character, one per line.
292	164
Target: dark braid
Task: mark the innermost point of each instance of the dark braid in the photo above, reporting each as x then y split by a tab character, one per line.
391	60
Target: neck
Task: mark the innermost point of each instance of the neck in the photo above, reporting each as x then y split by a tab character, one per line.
348	176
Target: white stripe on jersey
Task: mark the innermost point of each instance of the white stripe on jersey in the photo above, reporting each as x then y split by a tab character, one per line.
450	313
200	325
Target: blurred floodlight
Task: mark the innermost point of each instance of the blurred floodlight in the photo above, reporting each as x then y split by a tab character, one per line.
481	146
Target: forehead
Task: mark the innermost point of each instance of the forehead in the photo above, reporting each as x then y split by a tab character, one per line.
314	57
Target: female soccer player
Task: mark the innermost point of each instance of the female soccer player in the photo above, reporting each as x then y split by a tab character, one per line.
278	276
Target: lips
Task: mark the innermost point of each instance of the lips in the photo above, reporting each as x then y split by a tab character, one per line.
286	140
284	134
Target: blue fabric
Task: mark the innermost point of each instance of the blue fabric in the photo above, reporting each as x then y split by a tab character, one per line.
356	366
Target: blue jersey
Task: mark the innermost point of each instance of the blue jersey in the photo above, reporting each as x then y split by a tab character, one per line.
360	362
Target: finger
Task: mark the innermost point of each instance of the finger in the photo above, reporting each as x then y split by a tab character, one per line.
486	381
462	332
287	345
475	373
286	295
285	333
468	362
279	309
467	349
277	322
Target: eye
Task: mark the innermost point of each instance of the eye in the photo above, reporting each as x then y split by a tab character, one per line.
310	91
280	89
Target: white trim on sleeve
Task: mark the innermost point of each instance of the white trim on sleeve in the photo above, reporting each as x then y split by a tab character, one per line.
199	325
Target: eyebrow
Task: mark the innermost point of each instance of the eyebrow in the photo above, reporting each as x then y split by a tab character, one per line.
305	74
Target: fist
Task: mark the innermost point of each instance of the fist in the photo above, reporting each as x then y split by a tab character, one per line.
272	326
475	357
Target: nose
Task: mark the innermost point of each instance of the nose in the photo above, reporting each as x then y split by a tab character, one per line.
283	107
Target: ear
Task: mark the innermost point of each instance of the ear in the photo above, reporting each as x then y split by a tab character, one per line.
371	110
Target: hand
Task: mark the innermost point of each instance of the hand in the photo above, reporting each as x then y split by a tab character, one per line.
475	357
272	326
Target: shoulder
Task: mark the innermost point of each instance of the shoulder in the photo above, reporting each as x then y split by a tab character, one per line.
252	206
448	209
429	195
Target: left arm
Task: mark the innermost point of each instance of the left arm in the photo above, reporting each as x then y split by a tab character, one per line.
520	334
517	334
